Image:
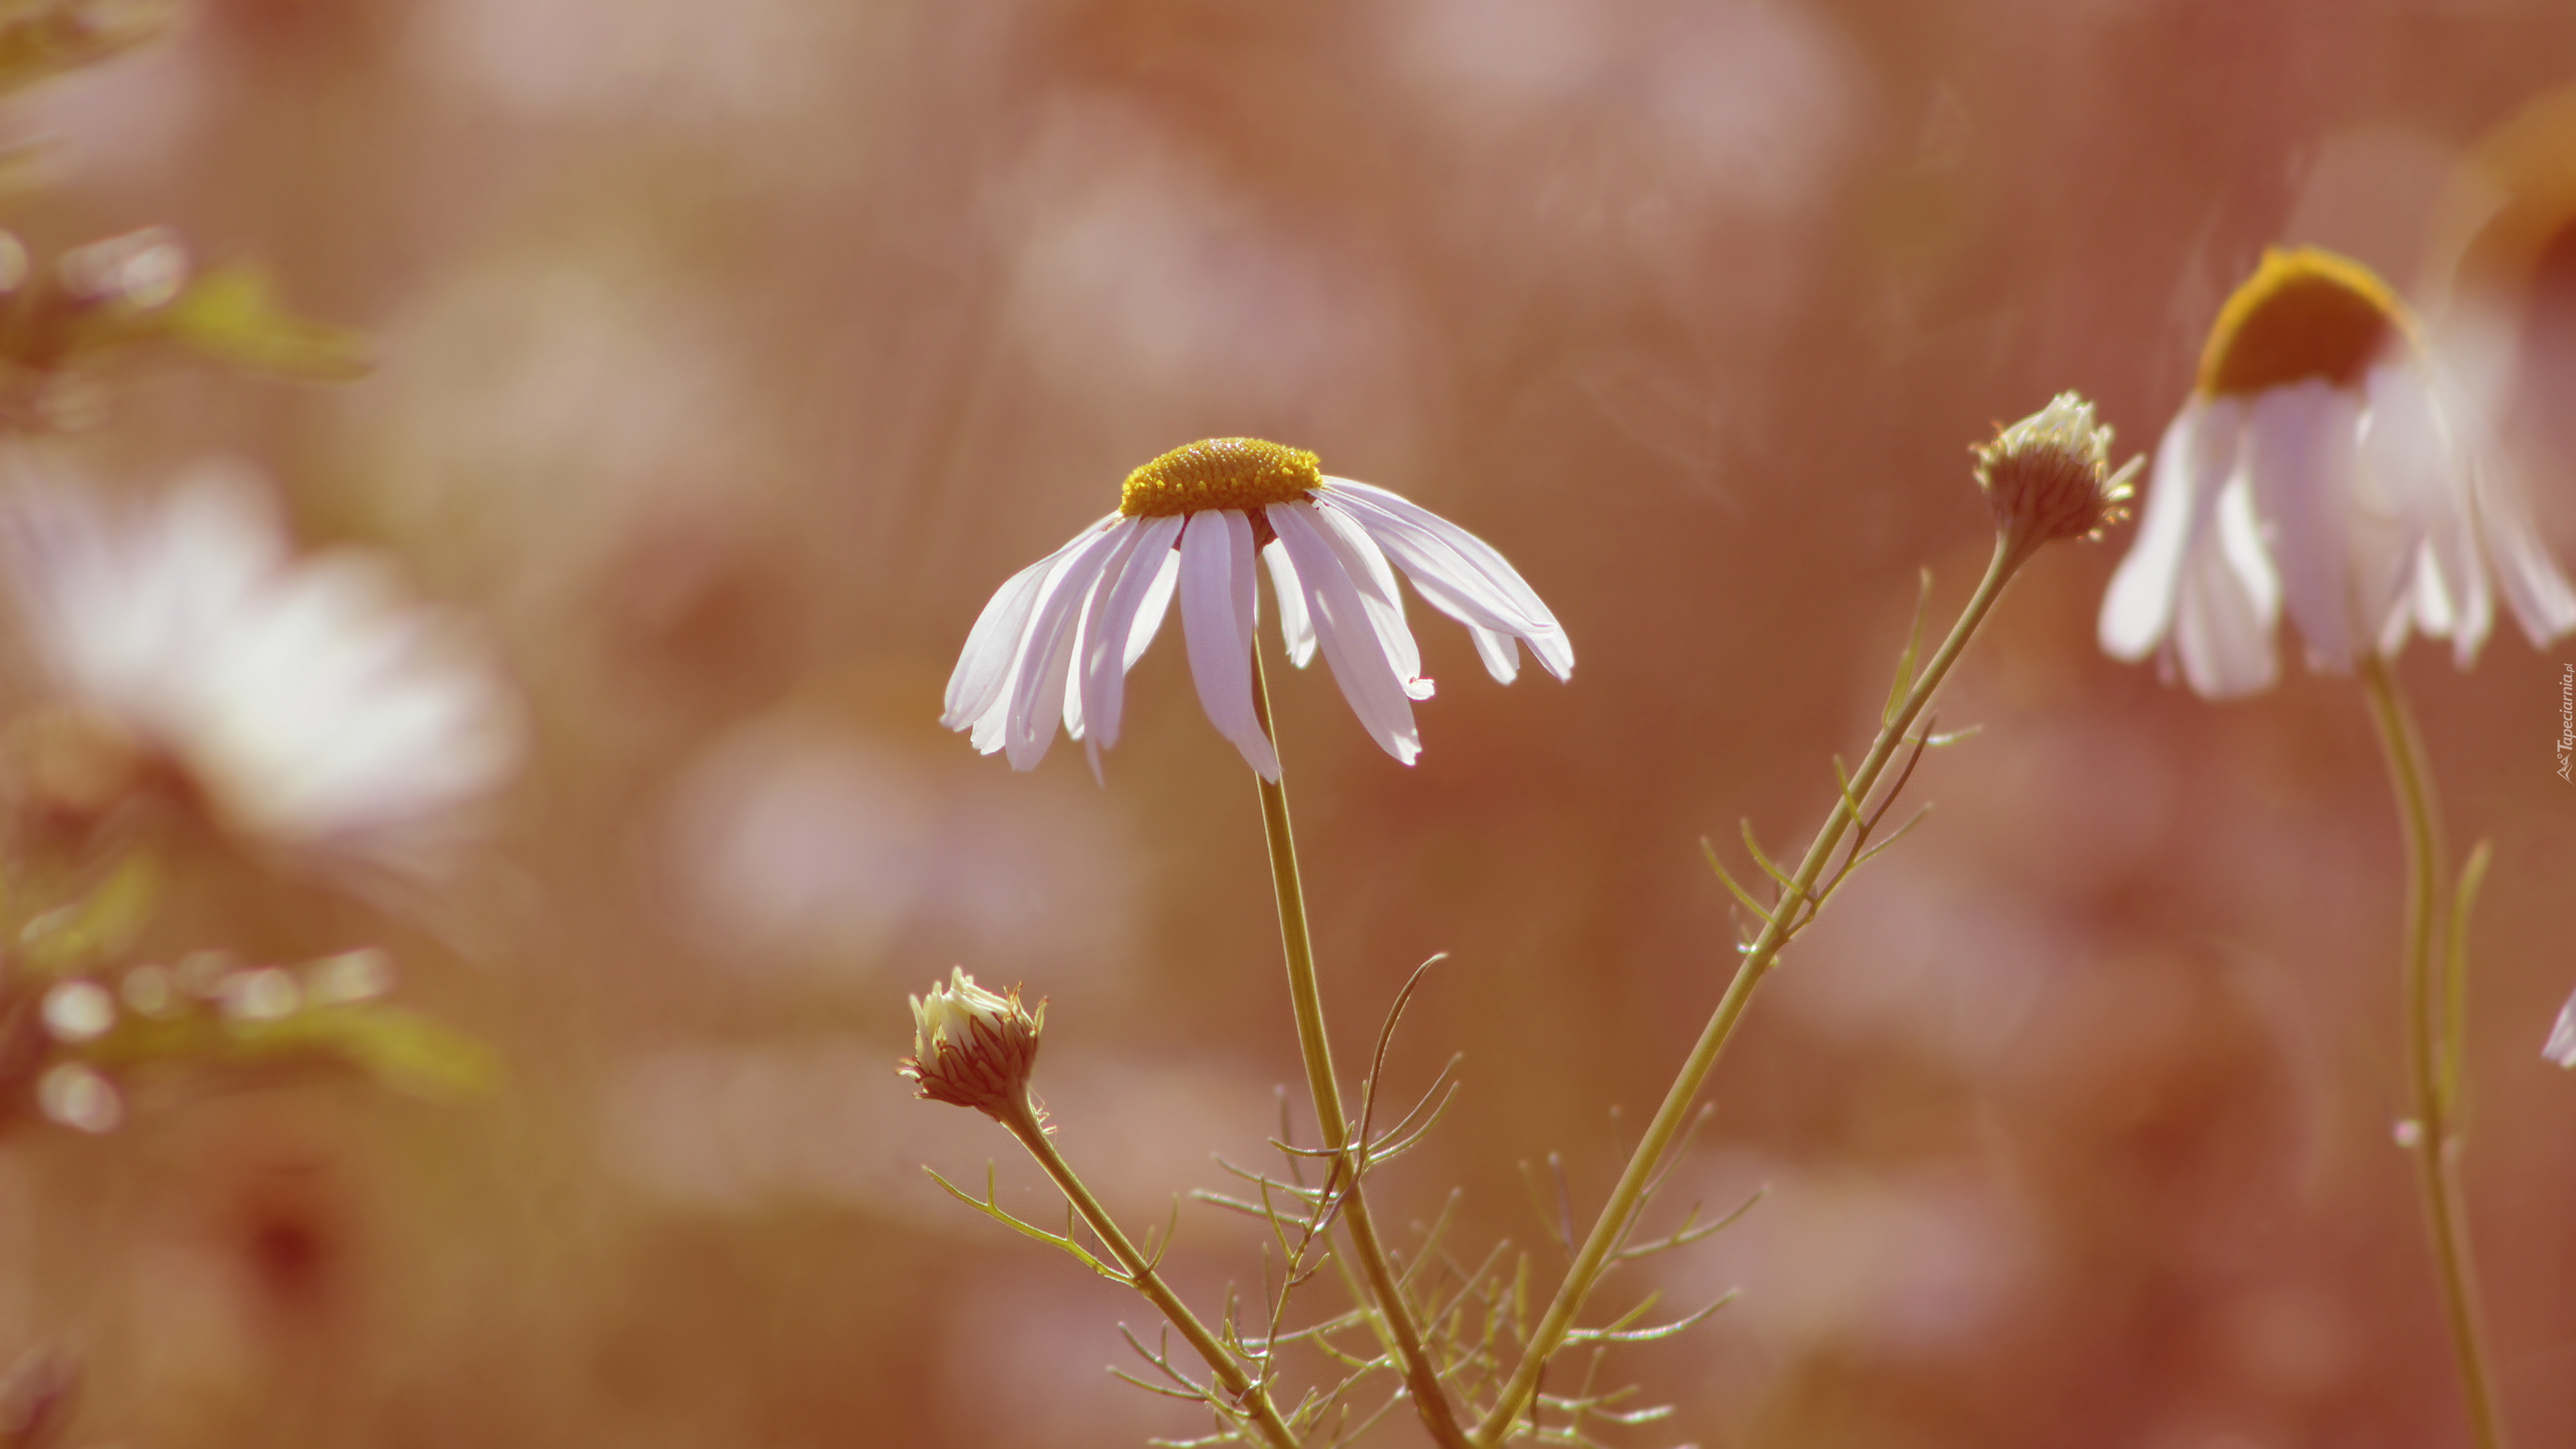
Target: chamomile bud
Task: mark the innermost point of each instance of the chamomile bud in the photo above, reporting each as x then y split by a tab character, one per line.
973	1048
2049	476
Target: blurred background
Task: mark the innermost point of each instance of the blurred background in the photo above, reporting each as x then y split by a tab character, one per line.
730	355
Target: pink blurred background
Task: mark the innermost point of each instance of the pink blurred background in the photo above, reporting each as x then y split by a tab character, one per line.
731	354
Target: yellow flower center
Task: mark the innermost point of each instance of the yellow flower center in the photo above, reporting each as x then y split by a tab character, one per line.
2304	313
1243	473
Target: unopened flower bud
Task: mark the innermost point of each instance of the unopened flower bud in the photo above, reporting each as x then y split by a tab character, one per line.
2049	476
973	1048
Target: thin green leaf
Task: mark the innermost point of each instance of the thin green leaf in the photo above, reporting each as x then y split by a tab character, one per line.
99	926
1788	885
1903	684
1842	778
1741	894
991	1208
2455	982
1650	1335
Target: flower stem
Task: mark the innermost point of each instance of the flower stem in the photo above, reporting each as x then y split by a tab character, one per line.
1422	1379
2437	1137
1252	1396
1618	1214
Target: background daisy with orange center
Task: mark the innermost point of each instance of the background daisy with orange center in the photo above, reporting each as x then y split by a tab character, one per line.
2319	467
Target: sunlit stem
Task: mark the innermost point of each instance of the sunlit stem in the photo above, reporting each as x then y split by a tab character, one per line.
2436	1136
1422	1380
1252	1397
1617	1215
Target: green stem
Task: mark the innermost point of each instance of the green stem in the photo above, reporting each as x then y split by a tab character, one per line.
1252	1396
2437	1136
1422	1379
1617	1215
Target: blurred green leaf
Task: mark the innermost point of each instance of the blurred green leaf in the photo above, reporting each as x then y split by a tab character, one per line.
97	927
232	314
44	38
401	1049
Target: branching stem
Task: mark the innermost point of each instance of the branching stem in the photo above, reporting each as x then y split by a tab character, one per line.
1422	1379
1611	1228
1252	1397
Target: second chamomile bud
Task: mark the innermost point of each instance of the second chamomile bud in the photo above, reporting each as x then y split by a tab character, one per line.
973	1048
2049	476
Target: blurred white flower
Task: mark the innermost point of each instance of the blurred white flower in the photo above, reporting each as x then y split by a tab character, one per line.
308	704
1059	637
2320	465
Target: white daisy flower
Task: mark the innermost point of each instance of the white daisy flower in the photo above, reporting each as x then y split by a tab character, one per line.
306	704
1058	639
2320	466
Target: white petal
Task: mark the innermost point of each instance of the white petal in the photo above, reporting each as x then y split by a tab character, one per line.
2240	543
1072	712
1502	657
1143	576
2300	445
2409	460
2195	456
1463	590
1366	567
1036	690
1216	580
1457	573
2532	585
2562	1036
1158	598
988	730
1091	627
1351	643
984	666
1295	630
2227	603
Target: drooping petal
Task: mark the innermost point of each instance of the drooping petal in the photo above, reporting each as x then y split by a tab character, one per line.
1090	628
1349	639
2409	460
984	666
1128	585
1036	691
1367	570
1456	572
2198	450
1158	599
1502	657
1296	631
2530	580
2300	446
1216	619
2227	603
